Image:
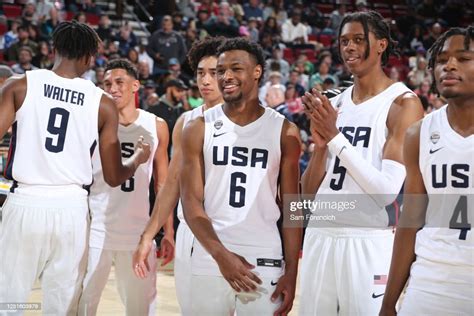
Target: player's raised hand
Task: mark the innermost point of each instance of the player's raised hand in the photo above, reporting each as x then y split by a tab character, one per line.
325	116
310	103
236	270
143	150
286	288
140	258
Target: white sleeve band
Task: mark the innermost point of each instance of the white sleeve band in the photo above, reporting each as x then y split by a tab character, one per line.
382	185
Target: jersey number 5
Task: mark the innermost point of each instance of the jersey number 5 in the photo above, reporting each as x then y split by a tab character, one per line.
57	125
460	210
237	192
336	185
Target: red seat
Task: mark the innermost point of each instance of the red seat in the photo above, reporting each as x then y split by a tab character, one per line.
3	29
325	39
11	10
288	55
325	7
92	18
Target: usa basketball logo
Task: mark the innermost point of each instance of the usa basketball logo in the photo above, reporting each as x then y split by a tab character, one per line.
434	137
218	124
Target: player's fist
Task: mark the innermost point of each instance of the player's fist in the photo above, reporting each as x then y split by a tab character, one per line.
143	151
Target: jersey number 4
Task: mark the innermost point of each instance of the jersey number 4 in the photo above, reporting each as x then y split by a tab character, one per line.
57	126
460	210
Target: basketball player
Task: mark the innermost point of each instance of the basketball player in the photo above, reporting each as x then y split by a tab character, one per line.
358	156
118	215
202	59
57	118
235	159
439	151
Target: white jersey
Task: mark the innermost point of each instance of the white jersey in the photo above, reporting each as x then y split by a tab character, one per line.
188	117
120	214
54	134
364	125
446	163
242	166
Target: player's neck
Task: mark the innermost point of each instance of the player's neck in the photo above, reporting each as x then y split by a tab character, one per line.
208	104
368	86
460	117
66	68
243	113
128	115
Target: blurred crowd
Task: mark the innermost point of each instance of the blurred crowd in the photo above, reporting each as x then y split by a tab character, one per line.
299	39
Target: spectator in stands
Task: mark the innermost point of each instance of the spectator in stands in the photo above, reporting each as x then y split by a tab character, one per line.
179	23
88	6
328	83
202	18
171	105
271	27
435	32
321	75
35	34
252	28
28	15
44	59
24	61
237	9
49	25
294	80
420	73
308	67
415	37
293	32
5	73
224	24
277	57
145	93
44	9
81	17
191	35
253	9
164	44
337	16
99	77
194	97
126	39
23	40
275	9
267	43
274	79
11	37
143	55
174	69
132	56
394	74
275	99
104	30
361	5
295	105
303	78
144	73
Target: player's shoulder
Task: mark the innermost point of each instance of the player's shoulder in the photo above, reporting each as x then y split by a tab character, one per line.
15	82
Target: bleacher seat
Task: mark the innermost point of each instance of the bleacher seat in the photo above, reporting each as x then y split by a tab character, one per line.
12	11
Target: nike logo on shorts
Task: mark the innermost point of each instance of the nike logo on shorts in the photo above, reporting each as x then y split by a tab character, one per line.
377	295
273	283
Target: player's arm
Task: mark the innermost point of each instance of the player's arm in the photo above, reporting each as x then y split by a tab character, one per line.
234	268
115	172
160	172
165	202
412	219
168	195
289	184
12	96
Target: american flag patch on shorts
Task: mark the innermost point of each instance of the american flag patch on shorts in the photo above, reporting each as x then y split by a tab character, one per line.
380	279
